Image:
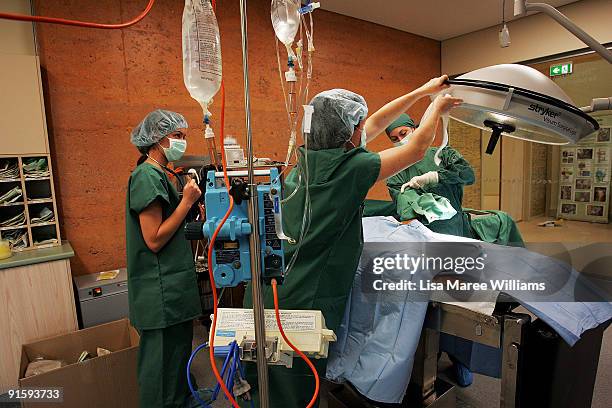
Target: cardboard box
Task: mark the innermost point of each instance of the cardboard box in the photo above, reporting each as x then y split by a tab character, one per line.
100	382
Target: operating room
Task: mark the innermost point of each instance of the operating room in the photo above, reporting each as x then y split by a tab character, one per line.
290	203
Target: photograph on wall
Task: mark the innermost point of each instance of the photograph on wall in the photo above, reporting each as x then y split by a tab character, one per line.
584	169
599	194
583	184
582	196
567	174
566	192
595	210
568	209
567	156
603	136
602	155
584	165
601	175
585	154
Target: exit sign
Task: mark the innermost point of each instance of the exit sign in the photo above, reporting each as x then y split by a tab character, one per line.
561	69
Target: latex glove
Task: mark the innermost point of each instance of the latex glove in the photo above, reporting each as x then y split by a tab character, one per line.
422	180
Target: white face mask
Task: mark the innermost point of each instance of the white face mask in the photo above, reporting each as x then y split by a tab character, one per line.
403	140
364	137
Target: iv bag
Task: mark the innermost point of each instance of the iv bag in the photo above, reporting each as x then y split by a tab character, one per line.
285	16
201	52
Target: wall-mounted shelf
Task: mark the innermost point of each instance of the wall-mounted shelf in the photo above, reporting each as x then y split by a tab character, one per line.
11	204
37	179
41	224
13	228
40	201
37	201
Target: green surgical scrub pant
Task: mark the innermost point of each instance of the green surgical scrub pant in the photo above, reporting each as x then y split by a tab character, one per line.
162	365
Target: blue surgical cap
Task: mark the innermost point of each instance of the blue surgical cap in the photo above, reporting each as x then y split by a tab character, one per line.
155	126
337	113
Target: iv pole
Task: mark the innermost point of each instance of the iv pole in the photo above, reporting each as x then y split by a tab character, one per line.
254	244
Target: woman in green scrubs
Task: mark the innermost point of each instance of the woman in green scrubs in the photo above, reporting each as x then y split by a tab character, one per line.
446	180
340	173
163	292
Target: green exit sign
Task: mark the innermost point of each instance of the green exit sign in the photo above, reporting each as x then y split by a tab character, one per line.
561	69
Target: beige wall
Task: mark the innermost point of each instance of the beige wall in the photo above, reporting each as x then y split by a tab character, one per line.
532	37
16	37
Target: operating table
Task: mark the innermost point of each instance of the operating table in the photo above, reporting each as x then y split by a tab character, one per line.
538	366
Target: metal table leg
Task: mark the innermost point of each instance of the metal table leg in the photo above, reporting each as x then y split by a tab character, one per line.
513	339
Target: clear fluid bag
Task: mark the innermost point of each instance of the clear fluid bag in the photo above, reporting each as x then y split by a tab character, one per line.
201	52
285	16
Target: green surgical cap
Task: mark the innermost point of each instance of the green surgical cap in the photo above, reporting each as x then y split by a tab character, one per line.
402	120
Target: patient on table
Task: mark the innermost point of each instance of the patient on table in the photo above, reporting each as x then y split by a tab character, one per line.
381	329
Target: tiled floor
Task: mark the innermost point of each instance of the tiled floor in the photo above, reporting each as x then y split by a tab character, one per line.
570	231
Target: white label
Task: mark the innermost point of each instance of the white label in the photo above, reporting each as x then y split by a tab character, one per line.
243	320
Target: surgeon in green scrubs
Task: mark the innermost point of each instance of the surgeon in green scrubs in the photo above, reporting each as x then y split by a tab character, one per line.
163	292
339	172
446	180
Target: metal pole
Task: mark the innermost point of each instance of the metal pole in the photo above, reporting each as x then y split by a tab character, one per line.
254	244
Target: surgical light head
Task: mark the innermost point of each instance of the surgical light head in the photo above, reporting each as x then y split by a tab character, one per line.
155	126
521	102
337	113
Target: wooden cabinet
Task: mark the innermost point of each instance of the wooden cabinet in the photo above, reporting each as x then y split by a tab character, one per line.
36	301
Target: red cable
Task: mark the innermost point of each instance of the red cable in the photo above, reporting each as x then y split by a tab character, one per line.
298	351
77	23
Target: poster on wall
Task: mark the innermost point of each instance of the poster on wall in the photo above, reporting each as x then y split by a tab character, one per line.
584	191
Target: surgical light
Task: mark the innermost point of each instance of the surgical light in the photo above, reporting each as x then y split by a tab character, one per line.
520	102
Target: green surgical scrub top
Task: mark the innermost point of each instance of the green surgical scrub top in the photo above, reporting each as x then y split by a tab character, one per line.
454	172
327	260
162	287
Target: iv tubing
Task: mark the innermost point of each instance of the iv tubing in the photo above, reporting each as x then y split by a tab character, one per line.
298	351
77	23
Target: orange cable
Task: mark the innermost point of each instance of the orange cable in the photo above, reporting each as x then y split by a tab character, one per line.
211	245
77	23
298	351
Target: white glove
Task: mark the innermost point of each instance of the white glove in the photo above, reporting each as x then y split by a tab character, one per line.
422	180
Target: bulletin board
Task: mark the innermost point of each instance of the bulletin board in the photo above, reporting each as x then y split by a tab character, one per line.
584	182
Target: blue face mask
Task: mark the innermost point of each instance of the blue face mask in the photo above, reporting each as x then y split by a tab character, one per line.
176	150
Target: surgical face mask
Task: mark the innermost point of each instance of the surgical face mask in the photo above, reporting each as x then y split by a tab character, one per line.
364	137
404	139
176	150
